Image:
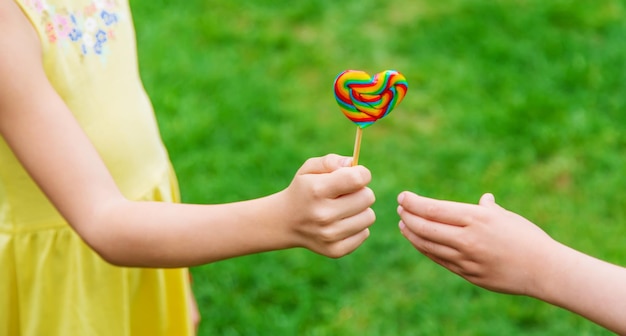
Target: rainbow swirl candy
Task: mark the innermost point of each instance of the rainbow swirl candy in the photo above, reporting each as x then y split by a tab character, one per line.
364	99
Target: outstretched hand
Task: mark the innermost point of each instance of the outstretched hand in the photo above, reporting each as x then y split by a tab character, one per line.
329	204
485	243
501	251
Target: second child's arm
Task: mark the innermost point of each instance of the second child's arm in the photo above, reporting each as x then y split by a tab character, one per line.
501	251
326	208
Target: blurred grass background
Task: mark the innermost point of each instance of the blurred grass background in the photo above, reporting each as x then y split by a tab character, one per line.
522	98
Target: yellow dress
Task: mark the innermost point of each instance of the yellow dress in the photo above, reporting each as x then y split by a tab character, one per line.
51	283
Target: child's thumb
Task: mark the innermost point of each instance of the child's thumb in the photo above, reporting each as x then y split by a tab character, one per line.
488	200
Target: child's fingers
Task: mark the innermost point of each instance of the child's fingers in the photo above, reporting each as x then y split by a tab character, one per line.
430	248
447	212
429	230
347	245
354	203
343	181
325	164
350	226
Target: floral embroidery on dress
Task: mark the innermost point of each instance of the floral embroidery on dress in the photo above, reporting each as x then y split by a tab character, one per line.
89	28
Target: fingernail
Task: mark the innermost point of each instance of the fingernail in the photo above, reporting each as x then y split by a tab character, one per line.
400	210
346	162
401	197
488	197
401	225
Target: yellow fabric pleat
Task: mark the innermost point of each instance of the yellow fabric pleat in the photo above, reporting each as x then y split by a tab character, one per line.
52	283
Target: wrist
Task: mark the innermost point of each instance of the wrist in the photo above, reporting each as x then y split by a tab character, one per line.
283	219
554	266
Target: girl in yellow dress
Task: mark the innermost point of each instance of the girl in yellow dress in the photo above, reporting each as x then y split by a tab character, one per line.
92	241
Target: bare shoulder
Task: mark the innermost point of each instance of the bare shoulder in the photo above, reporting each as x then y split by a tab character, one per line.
18	35
14	23
22	61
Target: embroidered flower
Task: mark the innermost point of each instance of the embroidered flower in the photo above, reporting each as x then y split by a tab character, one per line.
108	18
101	36
75	34
62	26
91	25
90	28
39	5
98	48
88	41
52	37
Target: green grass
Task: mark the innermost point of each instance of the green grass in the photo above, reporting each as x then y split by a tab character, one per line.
520	98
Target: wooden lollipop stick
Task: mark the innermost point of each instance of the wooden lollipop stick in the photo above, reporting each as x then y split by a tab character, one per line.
357	146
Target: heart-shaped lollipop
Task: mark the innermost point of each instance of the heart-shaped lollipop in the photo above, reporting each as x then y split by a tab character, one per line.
364	99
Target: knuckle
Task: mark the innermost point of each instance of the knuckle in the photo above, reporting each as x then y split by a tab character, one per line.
329	161
357	178
465	244
309	160
307	163
424	247
317	190
335	253
478	217
331	250
470	270
468	219
365	176
327	234
350	177
471	246
321	216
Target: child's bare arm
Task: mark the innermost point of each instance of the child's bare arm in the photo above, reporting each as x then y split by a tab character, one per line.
502	251
326	208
